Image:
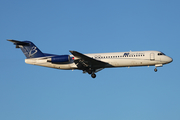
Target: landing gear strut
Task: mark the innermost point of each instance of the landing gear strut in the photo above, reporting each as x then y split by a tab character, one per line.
89	72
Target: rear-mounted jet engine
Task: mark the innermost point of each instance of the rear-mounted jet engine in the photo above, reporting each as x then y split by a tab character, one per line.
60	59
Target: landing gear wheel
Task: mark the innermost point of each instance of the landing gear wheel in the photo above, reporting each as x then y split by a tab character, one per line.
155	69
93	75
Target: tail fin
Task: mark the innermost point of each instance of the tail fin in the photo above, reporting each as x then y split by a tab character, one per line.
28	48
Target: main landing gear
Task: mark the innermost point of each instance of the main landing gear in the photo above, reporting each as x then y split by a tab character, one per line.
91	72
93	75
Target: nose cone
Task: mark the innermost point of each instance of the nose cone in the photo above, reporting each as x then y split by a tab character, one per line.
169	59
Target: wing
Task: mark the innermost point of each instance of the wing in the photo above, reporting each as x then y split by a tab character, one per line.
88	62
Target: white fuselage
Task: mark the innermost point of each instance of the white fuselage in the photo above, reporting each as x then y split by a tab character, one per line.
118	59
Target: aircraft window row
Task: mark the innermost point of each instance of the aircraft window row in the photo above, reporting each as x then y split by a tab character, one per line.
101	57
134	56
161	53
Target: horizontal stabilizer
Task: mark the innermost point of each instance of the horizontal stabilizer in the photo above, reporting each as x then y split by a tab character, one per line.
19	42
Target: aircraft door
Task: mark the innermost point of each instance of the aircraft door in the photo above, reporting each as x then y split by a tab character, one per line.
152	56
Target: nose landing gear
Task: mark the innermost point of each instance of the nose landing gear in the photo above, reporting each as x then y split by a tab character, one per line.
155	70
157	65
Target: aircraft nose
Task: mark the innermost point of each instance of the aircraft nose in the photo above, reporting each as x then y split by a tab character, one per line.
169	60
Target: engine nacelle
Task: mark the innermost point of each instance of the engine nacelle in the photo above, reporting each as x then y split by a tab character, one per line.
60	59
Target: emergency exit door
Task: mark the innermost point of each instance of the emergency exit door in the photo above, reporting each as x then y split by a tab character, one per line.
152	56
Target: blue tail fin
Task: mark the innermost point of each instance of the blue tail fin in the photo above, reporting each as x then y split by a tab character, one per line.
28	48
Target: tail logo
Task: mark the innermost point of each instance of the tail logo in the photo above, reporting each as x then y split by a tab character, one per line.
33	51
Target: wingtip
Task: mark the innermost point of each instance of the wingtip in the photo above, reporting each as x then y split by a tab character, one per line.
8	39
71	51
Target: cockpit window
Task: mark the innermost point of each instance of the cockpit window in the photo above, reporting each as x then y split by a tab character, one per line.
161	53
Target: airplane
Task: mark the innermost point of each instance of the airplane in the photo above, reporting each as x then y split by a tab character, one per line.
91	63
